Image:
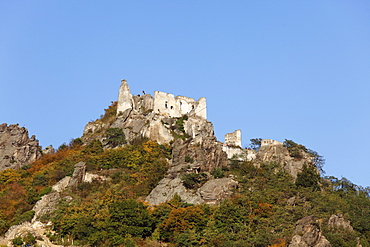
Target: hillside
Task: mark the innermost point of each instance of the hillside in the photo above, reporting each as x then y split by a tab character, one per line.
150	172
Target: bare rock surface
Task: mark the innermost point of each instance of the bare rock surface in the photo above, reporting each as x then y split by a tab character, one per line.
167	188
189	156
16	148
78	174
37	229
212	192
337	221
216	190
308	234
278	153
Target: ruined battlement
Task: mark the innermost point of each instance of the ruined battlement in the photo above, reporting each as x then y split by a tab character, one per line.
234	139
162	103
266	142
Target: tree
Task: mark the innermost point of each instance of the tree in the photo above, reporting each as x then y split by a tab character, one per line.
318	160
114	137
130	217
255	144
295	150
309	177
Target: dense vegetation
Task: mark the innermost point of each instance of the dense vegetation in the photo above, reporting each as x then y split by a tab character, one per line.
112	213
261	212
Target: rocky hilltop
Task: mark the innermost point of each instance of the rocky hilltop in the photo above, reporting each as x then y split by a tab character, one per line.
16	148
181	122
150	172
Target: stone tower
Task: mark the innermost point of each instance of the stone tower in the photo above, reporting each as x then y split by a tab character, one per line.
125	99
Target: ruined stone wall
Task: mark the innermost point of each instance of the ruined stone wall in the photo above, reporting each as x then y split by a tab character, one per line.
168	104
266	142
163	103
234	138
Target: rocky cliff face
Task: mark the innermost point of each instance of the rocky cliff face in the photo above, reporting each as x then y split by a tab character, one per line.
16	148
196	155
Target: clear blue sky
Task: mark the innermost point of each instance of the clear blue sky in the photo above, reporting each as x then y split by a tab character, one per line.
296	70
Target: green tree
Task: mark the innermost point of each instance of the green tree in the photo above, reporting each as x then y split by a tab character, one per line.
130	217
114	137
308	177
255	143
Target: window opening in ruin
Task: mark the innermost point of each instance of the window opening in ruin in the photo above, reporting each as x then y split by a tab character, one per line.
171	107
165	105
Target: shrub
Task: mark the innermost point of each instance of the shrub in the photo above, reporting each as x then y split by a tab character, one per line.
194	180
26	216
45	190
29	239
217	173
17	241
189	159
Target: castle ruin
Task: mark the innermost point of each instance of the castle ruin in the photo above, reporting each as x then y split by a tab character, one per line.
163	103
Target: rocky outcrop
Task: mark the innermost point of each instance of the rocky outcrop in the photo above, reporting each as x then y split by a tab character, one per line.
36	229
78	175
212	192
190	157
167	188
48	150
46	205
155	118
337	221
275	151
205	155
16	148
216	190
307	233
48	202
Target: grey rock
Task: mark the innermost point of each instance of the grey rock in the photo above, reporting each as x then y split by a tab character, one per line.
16	148
280	154
78	175
48	150
216	190
337	221
212	192
307	233
167	188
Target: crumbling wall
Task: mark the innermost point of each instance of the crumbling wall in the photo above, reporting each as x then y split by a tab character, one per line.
163	103
234	139
267	142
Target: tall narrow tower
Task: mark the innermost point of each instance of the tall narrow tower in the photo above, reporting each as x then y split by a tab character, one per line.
125	99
